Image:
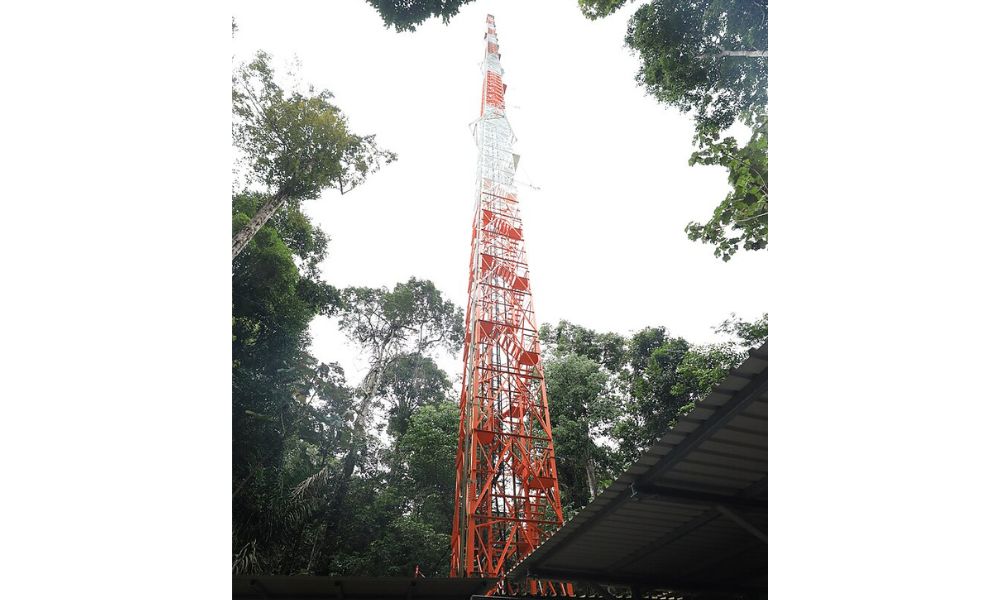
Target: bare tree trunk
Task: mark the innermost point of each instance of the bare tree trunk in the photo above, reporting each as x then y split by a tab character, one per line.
750	53
241	239
591	478
328	537
312	553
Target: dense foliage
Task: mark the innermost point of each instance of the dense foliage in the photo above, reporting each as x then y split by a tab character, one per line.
742	215
330	478
612	396
287	407
709	58
291	146
405	15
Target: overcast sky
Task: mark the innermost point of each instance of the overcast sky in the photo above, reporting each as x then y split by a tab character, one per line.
605	230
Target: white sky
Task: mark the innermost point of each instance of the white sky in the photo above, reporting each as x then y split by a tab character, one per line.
604	234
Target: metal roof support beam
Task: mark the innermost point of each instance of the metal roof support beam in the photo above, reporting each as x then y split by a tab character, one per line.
704	518
710	564
681	496
690	526
755	490
747	525
649	583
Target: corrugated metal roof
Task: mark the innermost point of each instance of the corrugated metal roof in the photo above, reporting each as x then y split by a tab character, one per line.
263	587
690	514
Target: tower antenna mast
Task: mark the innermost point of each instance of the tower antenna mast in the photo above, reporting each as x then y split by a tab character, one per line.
506	489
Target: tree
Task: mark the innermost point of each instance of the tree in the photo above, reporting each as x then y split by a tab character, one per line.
411	319
610	397
397	515
704	366
273	303
427	448
410	381
652	402
607	349
705	56
323	493
293	145
745	334
574	385
281	491
405	15
313	488
686	48
288	409
709	58
742	216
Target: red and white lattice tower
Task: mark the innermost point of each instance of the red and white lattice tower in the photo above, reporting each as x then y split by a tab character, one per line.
506	490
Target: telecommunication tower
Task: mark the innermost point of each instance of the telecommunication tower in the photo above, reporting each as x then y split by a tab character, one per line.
506	490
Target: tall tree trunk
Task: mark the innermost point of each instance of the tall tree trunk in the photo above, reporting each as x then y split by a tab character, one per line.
328	538
590	469
750	53
315	548
591	478
241	239
319	562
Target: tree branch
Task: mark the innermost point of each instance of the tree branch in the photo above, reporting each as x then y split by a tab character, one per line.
746	53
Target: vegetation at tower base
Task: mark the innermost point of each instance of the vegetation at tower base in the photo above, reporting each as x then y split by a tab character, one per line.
709	58
405	15
292	145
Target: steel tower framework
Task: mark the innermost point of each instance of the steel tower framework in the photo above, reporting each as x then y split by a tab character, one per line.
506	490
